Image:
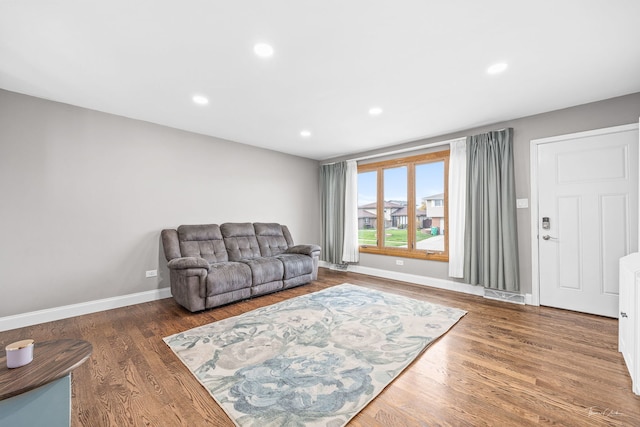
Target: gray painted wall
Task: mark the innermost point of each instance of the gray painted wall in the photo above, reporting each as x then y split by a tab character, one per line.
84	195
611	112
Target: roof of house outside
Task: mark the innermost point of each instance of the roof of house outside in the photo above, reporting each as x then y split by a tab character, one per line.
366	214
434	197
386	205
403	212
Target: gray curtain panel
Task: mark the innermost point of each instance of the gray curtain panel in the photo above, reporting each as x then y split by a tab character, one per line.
333	180
491	241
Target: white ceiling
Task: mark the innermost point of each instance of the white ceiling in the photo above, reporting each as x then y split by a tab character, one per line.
423	62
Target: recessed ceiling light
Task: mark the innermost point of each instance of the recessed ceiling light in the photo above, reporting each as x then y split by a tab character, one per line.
305	134
263	50
200	100
375	111
497	68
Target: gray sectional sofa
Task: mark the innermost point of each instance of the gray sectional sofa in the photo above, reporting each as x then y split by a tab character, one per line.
212	265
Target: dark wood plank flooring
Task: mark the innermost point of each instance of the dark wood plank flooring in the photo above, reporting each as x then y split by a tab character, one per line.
501	365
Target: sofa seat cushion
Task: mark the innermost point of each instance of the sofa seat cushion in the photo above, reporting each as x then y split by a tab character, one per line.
225	277
264	270
295	265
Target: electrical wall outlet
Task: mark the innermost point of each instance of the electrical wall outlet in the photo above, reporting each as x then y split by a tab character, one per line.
151	273
399	262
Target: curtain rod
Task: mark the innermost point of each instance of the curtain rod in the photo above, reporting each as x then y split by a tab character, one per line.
403	150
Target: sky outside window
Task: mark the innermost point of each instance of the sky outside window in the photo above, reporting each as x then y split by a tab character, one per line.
430	182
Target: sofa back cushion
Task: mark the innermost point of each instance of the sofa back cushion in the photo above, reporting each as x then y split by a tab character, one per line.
204	241
240	240
271	238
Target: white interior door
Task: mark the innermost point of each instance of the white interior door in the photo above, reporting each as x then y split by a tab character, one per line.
588	190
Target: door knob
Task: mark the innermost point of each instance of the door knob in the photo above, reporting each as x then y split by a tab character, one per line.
547	237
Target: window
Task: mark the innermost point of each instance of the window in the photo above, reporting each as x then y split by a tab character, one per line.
406	200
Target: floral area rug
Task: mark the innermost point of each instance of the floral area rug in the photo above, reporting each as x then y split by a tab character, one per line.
313	360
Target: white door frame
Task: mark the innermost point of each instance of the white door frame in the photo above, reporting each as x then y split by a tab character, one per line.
533	163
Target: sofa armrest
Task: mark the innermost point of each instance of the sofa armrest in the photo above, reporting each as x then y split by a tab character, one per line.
170	244
303	249
188	262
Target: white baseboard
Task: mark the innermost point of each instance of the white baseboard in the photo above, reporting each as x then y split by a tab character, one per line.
419	280
51	314
414	278
66	311
528	299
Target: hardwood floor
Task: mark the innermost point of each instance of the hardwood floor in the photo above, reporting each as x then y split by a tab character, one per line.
501	365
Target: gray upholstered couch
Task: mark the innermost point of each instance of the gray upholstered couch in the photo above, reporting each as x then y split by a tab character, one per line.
212	265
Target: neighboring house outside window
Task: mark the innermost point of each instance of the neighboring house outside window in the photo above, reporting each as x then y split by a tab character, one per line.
435	211
366	218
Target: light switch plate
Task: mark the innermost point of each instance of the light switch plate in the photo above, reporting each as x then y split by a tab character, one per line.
522	203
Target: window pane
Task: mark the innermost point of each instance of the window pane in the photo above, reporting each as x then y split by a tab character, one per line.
367	193
430	212
395	207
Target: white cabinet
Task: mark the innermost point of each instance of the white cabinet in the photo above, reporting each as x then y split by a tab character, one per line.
629	316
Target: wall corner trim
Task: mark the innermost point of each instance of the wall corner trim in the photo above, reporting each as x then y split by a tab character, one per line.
66	311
